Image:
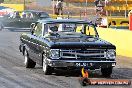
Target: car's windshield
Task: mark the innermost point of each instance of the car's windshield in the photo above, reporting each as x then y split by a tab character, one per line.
43	15
71	29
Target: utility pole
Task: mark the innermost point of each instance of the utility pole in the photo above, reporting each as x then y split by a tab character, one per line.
24	3
86	8
106	4
126	9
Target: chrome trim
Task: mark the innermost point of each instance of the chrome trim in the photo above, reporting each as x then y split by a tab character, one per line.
77	53
83	54
81	49
33	43
72	61
66	63
70	57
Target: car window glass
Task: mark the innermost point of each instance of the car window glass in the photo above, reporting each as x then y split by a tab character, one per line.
42	15
70	29
45	29
79	28
38	29
29	15
23	15
15	15
11	14
90	30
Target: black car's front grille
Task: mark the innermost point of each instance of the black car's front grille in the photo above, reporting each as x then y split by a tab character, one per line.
82	54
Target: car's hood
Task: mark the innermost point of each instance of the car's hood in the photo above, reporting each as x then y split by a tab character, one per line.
87	42
70	42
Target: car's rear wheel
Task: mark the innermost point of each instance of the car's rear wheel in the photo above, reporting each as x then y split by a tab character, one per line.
106	72
46	69
29	63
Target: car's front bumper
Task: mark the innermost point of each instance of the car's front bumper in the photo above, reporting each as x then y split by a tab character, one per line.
80	63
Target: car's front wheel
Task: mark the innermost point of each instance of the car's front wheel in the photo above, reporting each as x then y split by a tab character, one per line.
29	63
1	27
106	72
46	69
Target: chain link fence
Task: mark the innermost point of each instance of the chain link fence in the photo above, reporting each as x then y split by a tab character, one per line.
81	9
86	8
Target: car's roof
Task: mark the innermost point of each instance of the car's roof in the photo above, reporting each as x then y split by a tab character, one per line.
33	11
63	21
38	12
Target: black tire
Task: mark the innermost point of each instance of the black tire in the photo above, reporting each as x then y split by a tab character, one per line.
106	72
85	82
46	69
29	63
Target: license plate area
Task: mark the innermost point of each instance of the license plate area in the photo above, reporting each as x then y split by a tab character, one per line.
82	64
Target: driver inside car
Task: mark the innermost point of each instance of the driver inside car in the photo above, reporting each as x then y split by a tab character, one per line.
51	31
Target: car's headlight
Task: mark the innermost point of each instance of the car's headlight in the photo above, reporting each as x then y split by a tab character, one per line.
110	54
54	53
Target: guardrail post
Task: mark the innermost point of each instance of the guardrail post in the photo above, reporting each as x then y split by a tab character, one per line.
24	3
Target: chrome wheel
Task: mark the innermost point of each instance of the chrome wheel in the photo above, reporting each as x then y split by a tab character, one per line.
25	57
46	69
29	63
44	66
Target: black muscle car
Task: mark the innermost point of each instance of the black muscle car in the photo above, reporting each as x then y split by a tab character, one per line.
67	43
22	19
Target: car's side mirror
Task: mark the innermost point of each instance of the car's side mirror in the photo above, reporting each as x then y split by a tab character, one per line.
32	31
32	27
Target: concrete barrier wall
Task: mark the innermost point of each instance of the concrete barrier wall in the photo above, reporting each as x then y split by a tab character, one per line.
18	7
121	38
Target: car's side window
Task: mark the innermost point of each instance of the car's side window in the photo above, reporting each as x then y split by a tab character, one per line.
38	30
29	15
